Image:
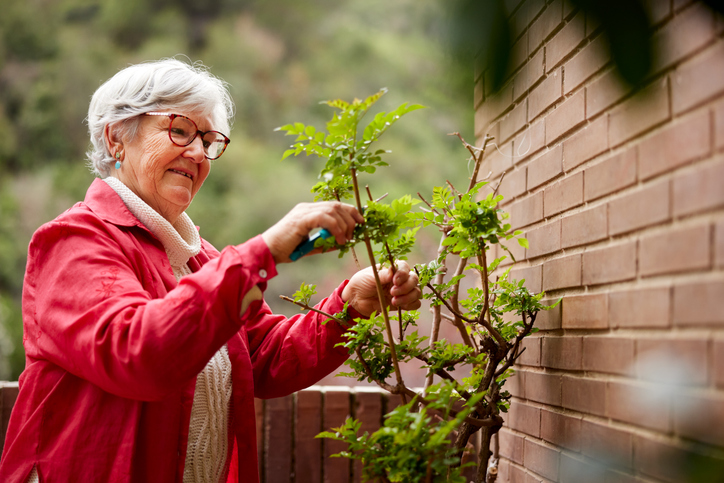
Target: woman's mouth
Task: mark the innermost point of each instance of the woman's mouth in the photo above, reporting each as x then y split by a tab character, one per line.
182	173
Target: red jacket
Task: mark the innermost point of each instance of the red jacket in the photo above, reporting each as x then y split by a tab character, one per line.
113	345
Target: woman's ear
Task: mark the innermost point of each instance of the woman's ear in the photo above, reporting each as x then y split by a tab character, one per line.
114	143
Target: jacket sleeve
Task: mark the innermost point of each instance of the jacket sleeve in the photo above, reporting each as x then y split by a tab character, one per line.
87	308
289	354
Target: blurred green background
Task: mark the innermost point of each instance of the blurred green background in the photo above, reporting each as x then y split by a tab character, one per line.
281	58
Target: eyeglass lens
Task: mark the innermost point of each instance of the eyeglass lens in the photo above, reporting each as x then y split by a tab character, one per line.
183	132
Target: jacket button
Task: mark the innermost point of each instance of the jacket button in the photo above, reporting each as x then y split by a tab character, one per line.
262	273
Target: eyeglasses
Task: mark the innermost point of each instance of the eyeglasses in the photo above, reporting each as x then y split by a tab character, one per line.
182	131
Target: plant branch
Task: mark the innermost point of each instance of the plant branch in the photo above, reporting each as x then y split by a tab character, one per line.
341	322
378	284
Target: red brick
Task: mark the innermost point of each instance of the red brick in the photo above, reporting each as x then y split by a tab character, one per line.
661	460
518	55
640	113
640	308
585	144
541	460
639	404
545	167
531	275
566	116
278	439
562	272
523	17
565	42
524	418
477	93
585	311
719	362
584	227
613	264
699	190
516	474
645	207
680	250
591	59
514	121
699	303
543	388
511	446
561	353
673	361
546	94
527	211
676	145
544	240
719	244
615	173
546	24
513	185
719	126
307	424
684	35
606	444
493	107
498	159
612	355
531	73
566	193
574	470
657	10
673	464
584	395
530	141
698	80
515	384
368	411
560	429
604	92
336	411
549	319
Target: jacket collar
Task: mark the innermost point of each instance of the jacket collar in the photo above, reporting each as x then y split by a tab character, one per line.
104	202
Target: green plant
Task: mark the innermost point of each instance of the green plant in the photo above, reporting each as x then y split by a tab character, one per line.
431	430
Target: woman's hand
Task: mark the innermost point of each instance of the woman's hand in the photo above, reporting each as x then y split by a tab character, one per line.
338	218
400	290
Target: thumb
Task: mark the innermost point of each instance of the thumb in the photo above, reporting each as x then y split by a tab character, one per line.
385	276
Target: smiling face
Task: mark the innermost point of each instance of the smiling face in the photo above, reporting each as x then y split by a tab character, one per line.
165	176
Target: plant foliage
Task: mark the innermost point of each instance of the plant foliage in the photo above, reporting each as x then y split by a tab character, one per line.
423	439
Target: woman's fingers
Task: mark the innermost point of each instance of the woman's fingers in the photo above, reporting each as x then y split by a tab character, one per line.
338	218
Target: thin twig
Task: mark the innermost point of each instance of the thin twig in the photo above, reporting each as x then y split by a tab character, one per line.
428	204
460	195
342	322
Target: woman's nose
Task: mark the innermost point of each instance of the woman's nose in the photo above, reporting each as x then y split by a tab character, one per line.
195	150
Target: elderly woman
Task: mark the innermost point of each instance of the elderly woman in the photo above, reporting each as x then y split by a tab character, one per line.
145	346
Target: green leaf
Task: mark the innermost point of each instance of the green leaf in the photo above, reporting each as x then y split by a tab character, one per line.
523	242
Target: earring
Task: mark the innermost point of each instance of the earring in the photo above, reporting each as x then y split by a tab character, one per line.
118	160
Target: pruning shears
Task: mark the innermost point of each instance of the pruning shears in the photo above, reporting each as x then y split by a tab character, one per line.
308	245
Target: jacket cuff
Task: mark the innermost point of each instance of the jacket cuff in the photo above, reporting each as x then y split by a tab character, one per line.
257	261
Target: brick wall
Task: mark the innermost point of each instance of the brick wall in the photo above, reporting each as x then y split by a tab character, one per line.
621	196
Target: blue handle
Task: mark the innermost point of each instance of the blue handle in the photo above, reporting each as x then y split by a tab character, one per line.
308	245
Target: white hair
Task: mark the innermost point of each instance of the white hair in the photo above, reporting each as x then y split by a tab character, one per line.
163	85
